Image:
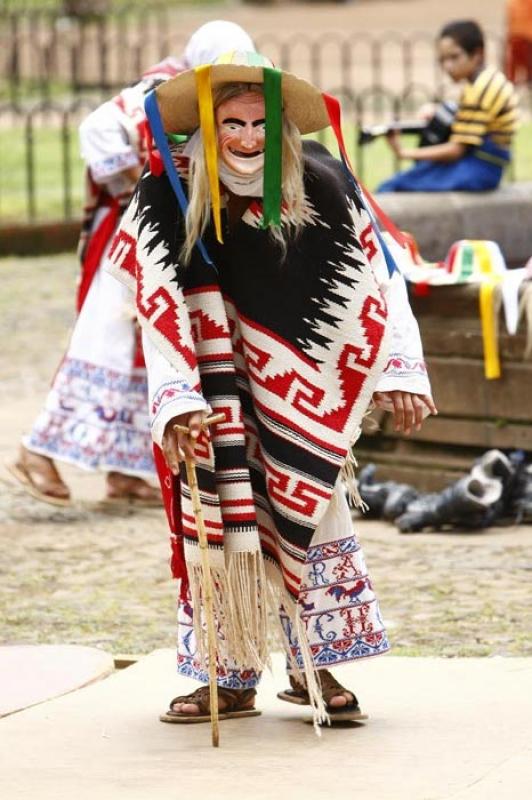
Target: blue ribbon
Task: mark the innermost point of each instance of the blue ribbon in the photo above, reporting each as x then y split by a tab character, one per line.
390	260
153	114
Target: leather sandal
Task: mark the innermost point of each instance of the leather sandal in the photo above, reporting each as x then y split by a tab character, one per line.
236	701
38	476
130	490
329	688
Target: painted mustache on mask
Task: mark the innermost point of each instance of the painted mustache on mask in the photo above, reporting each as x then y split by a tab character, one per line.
240	124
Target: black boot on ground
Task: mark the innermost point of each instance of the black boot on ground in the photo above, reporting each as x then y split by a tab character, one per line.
466	503
386	499
518	505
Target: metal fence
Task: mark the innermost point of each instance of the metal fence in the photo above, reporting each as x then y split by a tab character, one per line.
44	54
54	69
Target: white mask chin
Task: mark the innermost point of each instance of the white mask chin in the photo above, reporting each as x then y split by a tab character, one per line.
243	185
243	165
236	182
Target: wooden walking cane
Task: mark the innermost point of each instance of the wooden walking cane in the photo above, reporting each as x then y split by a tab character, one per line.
206	588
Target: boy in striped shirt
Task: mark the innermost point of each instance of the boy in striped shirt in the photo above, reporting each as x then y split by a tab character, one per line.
478	148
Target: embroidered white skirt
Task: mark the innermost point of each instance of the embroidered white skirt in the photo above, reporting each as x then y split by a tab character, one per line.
96	413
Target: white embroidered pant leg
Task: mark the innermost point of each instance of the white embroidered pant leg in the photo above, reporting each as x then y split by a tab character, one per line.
337	603
188	662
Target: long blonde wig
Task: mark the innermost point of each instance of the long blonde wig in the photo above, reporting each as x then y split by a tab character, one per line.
199	209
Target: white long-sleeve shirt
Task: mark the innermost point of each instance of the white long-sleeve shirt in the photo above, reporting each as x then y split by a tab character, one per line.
110	140
169	393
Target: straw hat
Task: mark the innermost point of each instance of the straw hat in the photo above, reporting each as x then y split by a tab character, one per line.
177	97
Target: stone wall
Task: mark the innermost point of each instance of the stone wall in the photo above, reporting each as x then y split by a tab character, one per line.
475	414
439	219
39	239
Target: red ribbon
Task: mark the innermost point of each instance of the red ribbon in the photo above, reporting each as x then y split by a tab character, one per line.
171	493
97	244
155	161
335	118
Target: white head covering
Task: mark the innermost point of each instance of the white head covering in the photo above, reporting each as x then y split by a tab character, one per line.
163	70
213	39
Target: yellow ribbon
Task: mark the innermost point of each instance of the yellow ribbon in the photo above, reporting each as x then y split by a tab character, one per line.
208	131
226	58
488	313
492	364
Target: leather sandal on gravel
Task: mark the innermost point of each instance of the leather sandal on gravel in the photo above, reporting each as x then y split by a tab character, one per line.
130	490
38	476
237	704
329	688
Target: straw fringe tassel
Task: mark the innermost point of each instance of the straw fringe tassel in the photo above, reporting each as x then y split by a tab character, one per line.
245	603
349	478
278	597
247	590
239	610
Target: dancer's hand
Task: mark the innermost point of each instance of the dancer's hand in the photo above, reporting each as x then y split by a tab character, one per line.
176	445
408	408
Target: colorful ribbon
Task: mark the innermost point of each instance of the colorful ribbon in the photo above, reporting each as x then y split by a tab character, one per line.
273	157
210	147
488	311
472	260
466	263
374	210
488	320
153	114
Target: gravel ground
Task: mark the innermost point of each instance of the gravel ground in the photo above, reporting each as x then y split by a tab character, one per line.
87	576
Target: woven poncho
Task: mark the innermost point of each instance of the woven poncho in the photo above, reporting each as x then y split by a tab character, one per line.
289	349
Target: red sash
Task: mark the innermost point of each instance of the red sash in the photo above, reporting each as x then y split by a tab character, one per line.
95	248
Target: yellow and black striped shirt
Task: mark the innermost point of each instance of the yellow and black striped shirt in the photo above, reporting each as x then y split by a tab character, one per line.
488	107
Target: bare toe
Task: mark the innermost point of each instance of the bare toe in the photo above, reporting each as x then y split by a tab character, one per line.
340	700
189	708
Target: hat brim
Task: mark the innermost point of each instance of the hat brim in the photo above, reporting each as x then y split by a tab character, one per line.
303	103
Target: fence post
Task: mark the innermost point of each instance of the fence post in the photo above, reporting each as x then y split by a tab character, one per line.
14	77
102	36
67	170
30	167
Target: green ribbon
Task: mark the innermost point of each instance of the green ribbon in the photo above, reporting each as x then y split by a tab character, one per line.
466	267
273	156
177	138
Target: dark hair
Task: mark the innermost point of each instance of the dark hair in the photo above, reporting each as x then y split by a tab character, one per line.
466	33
